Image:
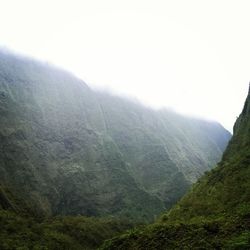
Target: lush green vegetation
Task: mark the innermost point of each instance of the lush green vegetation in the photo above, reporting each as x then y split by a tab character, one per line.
22	227
78	232
67	150
220	233
215	214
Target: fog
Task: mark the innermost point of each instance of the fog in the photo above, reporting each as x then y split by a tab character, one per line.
191	56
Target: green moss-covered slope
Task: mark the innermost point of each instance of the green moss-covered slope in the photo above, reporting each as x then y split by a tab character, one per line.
215	214
69	150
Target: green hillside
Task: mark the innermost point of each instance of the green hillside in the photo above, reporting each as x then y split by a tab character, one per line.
215	213
68	232
68	150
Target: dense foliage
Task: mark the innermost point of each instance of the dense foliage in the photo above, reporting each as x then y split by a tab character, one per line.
78	232
215	214
67	150
220	233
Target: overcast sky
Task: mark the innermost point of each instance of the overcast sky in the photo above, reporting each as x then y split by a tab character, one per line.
193	56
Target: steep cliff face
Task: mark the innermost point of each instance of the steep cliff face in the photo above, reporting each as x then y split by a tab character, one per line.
69	150
214	214
165	152
54	148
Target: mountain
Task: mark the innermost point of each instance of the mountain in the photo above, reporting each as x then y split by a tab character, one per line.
68	150
214	214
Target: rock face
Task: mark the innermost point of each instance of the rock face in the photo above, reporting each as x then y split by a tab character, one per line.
66	149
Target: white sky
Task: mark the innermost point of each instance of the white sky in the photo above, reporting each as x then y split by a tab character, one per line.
193	56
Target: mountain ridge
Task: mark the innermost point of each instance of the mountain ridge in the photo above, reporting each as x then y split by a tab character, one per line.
72	150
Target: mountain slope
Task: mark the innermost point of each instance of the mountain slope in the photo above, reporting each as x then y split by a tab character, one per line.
54	150
68	150
215	214
227	187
